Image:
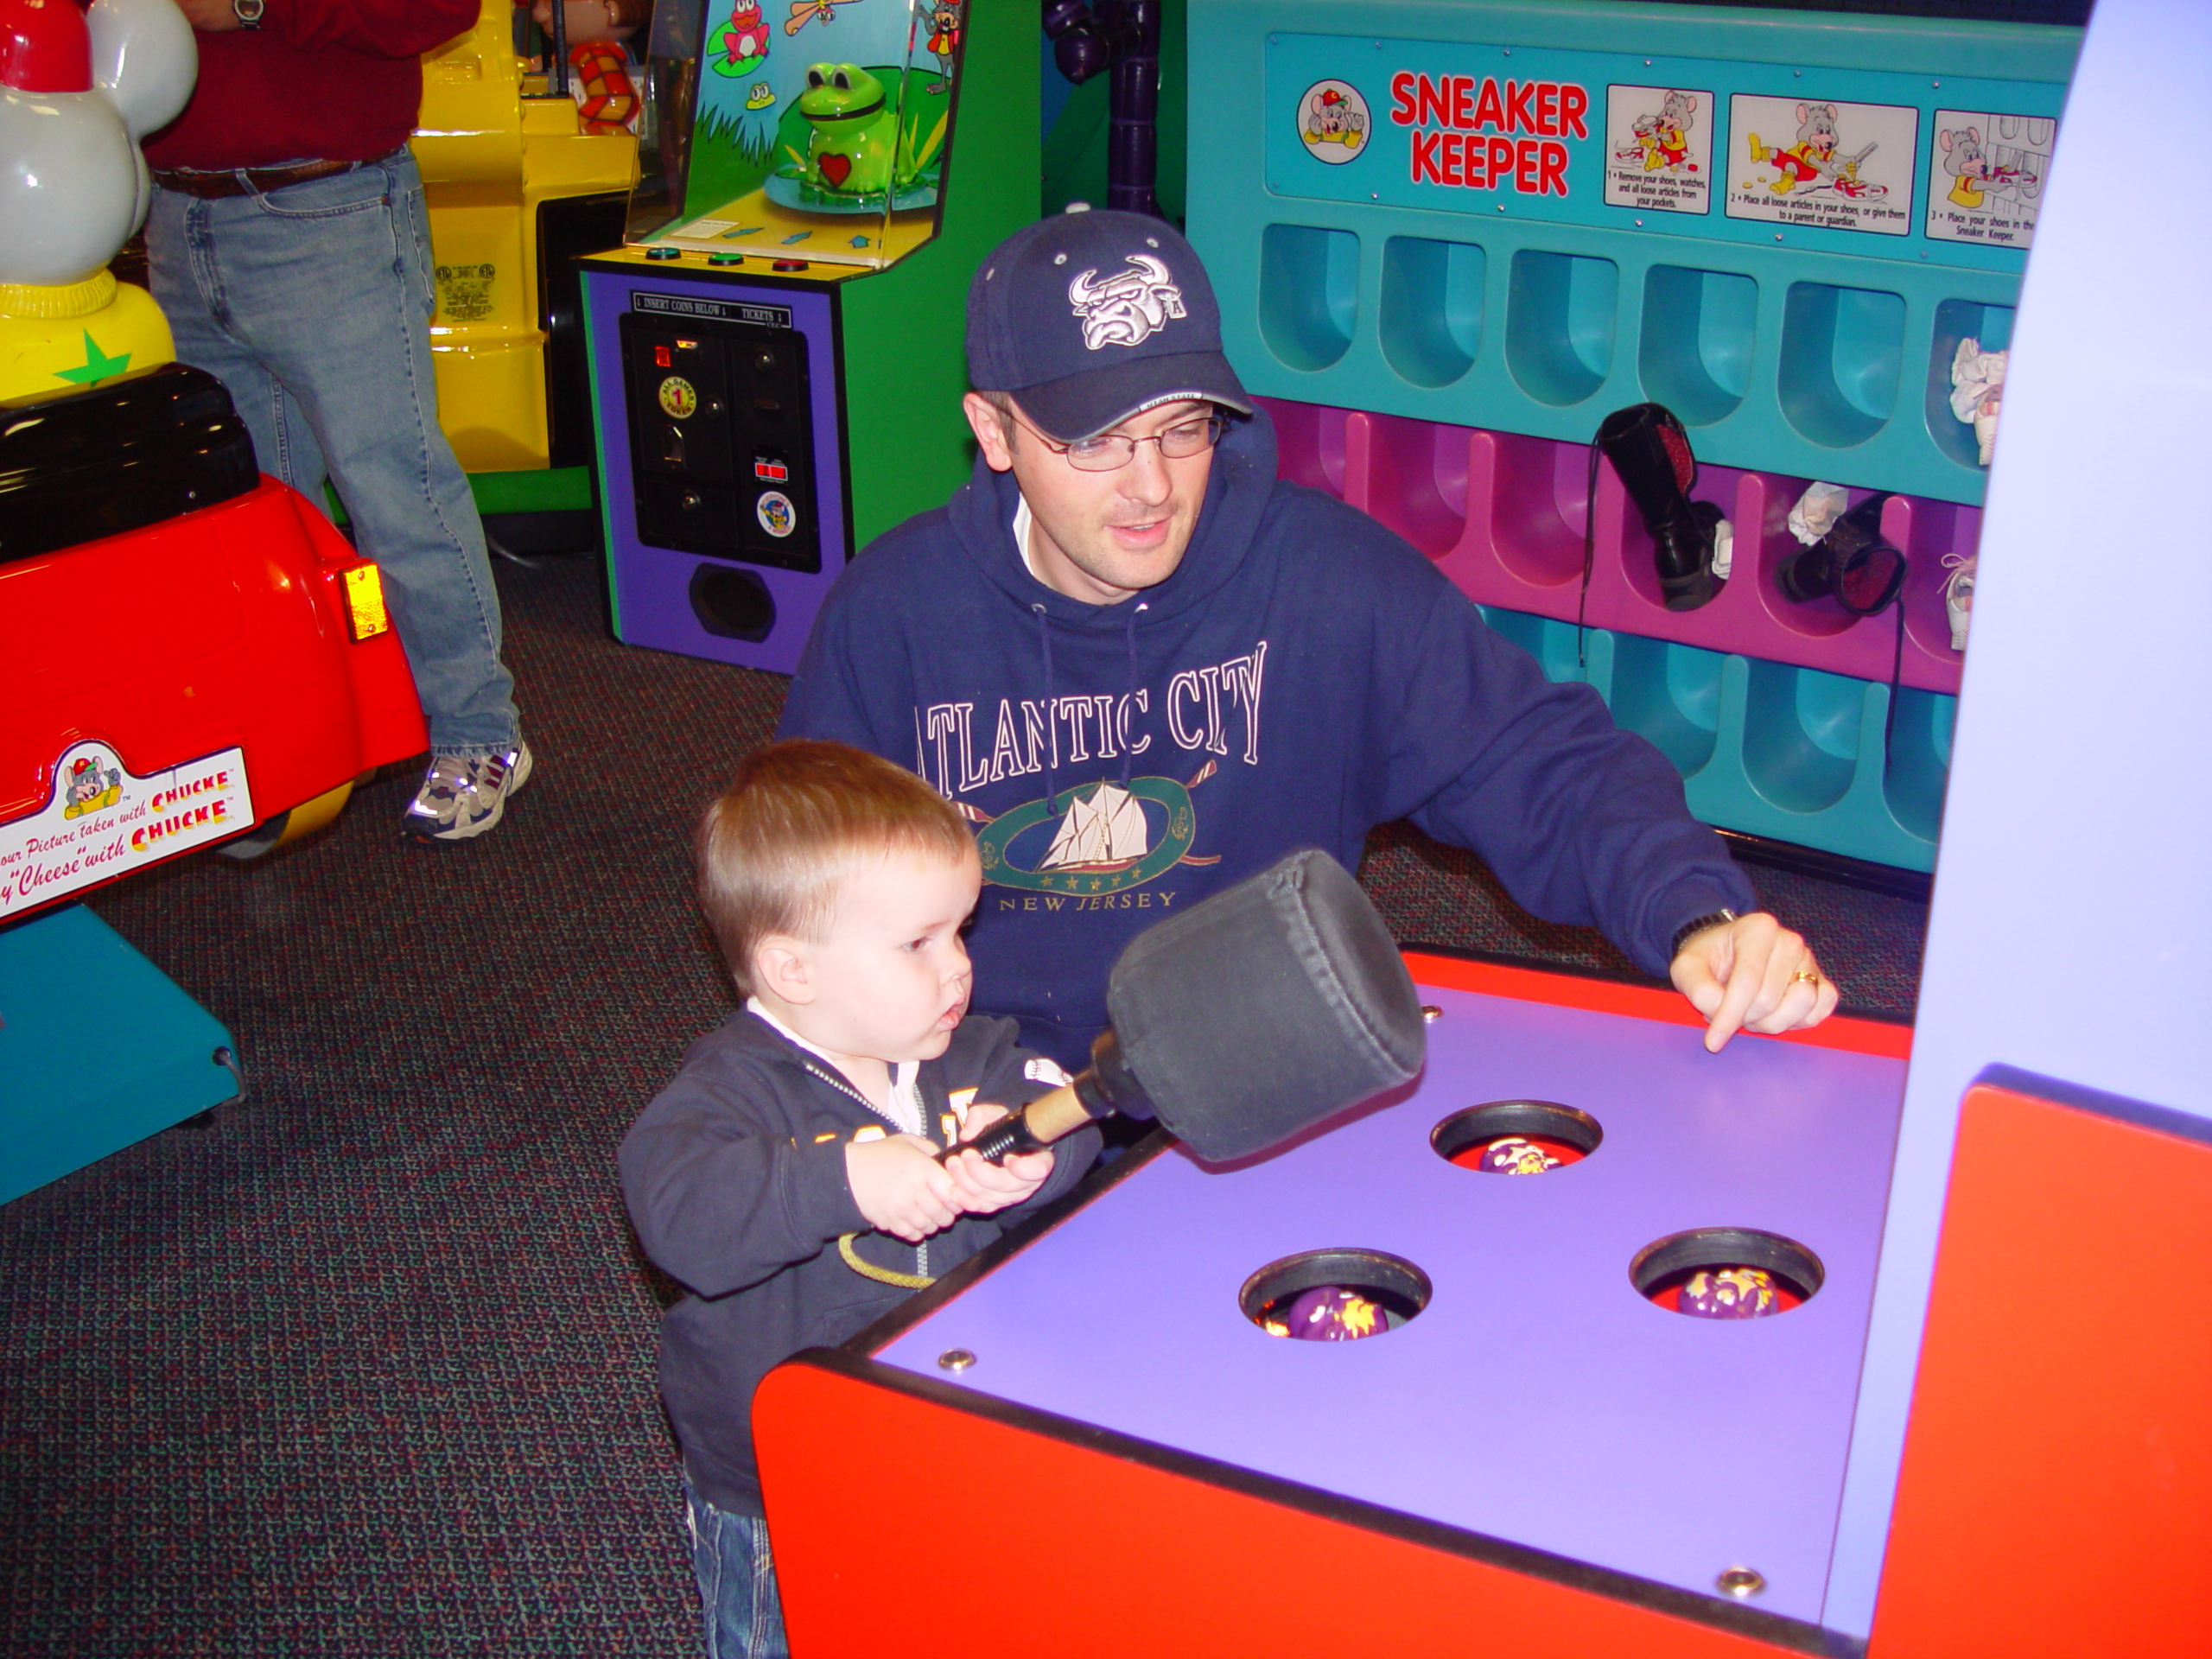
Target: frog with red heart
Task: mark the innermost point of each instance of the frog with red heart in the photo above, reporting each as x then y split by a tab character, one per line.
853	134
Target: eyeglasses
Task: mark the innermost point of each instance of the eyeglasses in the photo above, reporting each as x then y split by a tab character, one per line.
1111	451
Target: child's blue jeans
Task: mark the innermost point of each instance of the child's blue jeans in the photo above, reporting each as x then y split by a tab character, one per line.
742	1614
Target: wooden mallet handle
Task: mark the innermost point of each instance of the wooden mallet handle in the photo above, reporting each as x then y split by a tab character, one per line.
1035	1126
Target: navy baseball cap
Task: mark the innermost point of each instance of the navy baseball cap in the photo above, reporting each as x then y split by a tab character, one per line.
1087	318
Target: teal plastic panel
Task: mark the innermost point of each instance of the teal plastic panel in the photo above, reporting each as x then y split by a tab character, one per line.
99	1049
1375	247
1768	748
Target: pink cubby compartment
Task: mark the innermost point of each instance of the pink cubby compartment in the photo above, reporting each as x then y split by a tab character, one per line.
1502	514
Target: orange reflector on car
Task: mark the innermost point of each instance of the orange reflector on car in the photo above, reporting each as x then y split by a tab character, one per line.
365	611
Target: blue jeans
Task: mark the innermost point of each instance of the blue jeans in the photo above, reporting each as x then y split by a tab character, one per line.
312	305
742	1613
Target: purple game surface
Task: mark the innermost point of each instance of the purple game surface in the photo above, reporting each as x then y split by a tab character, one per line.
1539	1398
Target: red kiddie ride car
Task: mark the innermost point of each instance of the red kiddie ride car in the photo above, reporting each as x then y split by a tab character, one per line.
189	652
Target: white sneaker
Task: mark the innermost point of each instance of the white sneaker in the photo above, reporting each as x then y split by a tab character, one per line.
464	796
1958	594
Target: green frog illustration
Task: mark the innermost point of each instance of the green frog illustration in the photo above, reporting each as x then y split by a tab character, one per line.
853	148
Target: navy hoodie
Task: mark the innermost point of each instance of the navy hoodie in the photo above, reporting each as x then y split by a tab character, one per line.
1304	676
734	1177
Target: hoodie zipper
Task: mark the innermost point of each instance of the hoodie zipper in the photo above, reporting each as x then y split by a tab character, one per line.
922	1249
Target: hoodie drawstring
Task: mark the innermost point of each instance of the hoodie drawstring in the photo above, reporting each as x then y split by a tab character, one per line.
1044	648
1051	772
1130	697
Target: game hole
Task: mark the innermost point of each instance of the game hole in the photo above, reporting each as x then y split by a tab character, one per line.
1726	1272
1517	1137
1334	1295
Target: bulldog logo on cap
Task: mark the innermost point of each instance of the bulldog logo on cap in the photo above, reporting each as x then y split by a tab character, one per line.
1129	306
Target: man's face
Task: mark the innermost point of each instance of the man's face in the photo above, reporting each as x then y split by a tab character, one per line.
1102	537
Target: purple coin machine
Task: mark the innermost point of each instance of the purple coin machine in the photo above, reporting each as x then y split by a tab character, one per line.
775	351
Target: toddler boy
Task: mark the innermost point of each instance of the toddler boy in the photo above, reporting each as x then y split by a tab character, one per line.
788	1177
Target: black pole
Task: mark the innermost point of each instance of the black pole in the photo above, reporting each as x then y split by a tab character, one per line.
1124	35
1133	135
556	69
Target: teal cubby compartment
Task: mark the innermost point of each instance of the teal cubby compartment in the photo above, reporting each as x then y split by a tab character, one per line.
1454	267
1772	749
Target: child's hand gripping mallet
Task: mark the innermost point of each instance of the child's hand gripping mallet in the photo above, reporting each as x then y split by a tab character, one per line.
1243	1021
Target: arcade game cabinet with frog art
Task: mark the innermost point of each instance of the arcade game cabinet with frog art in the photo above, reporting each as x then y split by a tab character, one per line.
776	350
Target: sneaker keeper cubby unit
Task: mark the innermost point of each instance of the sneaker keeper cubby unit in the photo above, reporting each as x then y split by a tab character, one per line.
1441	314
1773	712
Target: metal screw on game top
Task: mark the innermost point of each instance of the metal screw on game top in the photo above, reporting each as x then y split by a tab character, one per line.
1741	1582
1431	1013
959	1359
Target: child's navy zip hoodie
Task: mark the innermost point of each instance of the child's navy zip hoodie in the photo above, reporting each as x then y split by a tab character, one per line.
735	1177
1304	676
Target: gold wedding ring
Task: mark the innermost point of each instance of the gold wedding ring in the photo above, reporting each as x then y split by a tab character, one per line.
1806	976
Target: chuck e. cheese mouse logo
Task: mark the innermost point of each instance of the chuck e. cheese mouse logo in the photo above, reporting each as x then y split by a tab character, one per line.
1332	122
91	785
1480	133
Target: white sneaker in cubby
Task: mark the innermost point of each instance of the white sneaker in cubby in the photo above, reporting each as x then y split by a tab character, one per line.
1958	594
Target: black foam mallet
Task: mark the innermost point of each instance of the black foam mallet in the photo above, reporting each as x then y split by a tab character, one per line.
1245	1020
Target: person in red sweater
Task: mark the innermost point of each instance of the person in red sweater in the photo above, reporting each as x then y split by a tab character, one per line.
290	249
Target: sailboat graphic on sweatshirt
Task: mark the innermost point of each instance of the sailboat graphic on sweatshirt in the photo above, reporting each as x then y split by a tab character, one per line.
1106	832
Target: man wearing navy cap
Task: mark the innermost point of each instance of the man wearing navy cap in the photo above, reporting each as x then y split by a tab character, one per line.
1145	669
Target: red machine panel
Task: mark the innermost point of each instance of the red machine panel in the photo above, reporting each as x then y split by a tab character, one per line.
2057	1493
249	626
